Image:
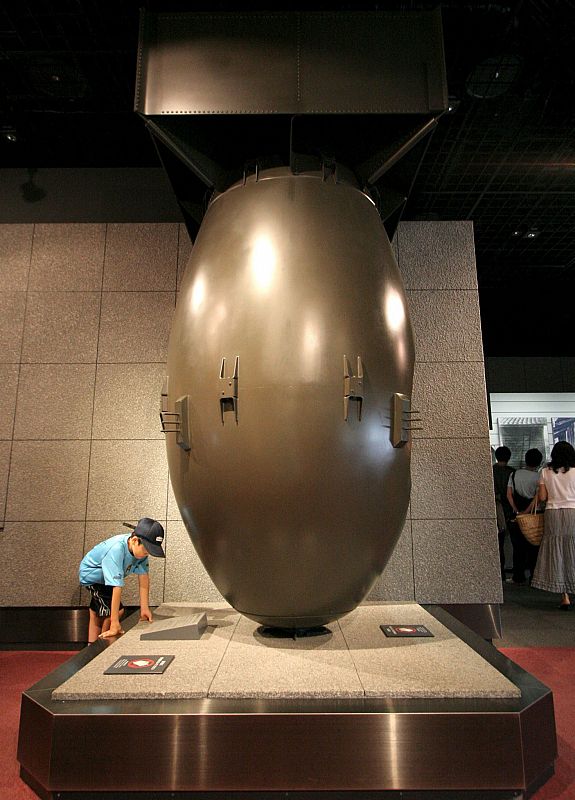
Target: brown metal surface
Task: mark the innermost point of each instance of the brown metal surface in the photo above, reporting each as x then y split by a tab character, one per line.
484	619
37	626
248	745
36	739
293	510
199	63
36	786
307	751
539	750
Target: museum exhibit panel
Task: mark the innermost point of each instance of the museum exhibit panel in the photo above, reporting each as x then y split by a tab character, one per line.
520	420
286	405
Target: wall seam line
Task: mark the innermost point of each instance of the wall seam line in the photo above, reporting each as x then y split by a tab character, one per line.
101	293
24	314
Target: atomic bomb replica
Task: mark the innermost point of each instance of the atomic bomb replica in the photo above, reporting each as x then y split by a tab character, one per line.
286	404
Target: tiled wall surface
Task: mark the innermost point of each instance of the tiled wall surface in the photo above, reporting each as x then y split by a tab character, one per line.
450	533
85	313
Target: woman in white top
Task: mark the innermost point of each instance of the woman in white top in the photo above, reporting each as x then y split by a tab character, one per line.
555	569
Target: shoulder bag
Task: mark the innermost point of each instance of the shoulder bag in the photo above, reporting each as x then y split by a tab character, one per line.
531	524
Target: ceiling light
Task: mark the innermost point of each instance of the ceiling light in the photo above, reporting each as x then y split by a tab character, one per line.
494	76
533	233
453	104
56	76
9	134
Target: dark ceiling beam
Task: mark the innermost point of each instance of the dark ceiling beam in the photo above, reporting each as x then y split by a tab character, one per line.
376	167
210	173
526	192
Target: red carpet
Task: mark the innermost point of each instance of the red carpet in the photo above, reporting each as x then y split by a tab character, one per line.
18	671
554	666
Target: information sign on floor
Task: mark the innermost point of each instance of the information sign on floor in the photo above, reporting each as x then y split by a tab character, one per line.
405	630
139	665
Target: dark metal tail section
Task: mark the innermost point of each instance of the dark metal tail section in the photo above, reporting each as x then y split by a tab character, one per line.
301	89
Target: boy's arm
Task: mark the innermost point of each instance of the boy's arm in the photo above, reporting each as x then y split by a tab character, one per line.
115	627
144	586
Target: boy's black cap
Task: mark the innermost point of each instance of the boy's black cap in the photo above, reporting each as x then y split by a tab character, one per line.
151	534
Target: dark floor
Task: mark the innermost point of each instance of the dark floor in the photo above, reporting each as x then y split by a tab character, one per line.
530	618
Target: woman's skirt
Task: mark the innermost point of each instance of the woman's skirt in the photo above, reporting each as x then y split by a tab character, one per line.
555	568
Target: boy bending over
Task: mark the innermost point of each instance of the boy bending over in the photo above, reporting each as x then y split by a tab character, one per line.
103	569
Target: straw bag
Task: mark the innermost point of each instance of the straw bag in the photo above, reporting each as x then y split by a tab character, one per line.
531	525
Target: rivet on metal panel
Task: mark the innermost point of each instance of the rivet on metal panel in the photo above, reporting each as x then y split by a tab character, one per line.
229	389
352	386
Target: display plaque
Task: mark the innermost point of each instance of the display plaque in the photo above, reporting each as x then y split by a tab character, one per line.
407	631
139	665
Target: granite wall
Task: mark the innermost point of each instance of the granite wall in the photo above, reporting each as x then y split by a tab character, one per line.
85	312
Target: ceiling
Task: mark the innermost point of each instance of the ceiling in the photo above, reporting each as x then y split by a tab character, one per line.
504	156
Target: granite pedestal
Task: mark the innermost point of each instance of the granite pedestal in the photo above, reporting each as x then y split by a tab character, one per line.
352	660
237	711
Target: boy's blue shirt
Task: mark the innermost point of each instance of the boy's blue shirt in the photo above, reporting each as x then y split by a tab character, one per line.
110	561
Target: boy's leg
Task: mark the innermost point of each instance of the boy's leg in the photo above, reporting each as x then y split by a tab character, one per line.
107	620
99	610
94	626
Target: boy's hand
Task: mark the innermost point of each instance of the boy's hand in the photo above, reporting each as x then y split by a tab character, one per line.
113	630
145	614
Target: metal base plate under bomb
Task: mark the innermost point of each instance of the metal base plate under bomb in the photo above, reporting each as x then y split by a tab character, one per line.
180	628
270	632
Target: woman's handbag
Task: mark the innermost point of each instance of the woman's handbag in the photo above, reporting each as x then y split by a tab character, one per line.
531	525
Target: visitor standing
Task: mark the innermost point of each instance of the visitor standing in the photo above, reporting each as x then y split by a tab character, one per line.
522	496
555	569
501	474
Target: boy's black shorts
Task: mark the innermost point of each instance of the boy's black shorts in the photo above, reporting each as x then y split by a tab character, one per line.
101	599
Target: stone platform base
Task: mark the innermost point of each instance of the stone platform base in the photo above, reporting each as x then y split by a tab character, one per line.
353	660
354	712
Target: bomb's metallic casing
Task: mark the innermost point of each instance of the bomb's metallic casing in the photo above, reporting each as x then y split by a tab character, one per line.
293	509
291	356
